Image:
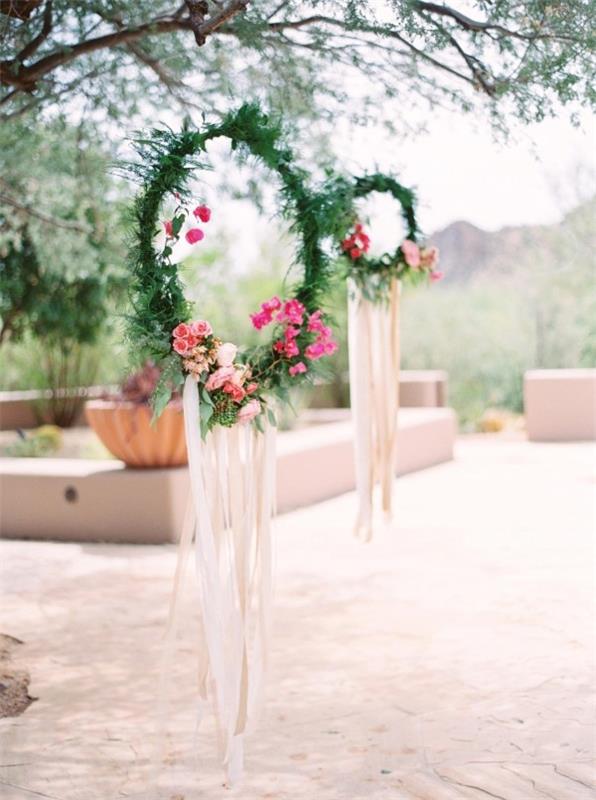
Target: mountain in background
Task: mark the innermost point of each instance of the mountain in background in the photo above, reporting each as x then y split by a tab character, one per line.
468	252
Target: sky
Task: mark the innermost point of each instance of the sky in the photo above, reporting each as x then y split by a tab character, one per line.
460	173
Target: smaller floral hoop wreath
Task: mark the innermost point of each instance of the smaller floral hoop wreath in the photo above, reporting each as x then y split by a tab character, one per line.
409	261
234	385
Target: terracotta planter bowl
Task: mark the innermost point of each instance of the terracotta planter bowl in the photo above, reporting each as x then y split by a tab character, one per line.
125	429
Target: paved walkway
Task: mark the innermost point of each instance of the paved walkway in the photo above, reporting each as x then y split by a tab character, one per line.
450	658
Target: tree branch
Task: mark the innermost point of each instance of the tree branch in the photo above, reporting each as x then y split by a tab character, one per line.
477	26
25	78
372	29
46	218
38	40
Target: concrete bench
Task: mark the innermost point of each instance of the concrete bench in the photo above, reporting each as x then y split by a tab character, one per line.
560	404
102	500
23	409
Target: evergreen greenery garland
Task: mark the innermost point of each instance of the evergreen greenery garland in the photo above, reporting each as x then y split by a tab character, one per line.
166	161
373	275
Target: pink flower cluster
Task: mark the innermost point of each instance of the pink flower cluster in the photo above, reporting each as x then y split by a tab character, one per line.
187	336
204	353
192	235
357	243
425	258
291	315
232	381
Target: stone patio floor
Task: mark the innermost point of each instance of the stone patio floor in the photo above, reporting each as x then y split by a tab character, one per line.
452	657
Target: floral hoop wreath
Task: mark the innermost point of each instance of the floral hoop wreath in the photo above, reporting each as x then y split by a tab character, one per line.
409	261
235	385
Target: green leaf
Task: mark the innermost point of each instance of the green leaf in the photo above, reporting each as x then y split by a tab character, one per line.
159	400
206	397
177	223
271	418
205	412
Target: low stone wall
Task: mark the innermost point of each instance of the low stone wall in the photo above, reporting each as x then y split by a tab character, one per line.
24	409
560	405
102	500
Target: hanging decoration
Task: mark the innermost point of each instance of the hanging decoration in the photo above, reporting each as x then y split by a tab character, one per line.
229	393
374	288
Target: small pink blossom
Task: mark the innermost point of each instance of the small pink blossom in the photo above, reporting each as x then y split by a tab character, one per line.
217	379
315	351
411	253
436	275
201	328
260	320
169	227
315	322
291	333
203	213
330	347
355	253
292	312
181	347
291	349
278	346
297	369
181	330
271	305
194	235
251	388
429	257
249	411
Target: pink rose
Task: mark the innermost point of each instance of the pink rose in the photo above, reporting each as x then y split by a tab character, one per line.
203	213
249	411
226	353
239	376
194	235
191	340
297	369
251	388
201	328
411	253
355	253
278	346
436	275
217	379
181	330
180	347
236	392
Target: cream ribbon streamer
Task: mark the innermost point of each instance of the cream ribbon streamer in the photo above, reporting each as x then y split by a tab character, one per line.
374	350
232	484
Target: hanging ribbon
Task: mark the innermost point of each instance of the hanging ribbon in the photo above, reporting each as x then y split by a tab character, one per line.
232	484
374	395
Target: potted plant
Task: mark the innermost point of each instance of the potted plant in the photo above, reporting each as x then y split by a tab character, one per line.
123	423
